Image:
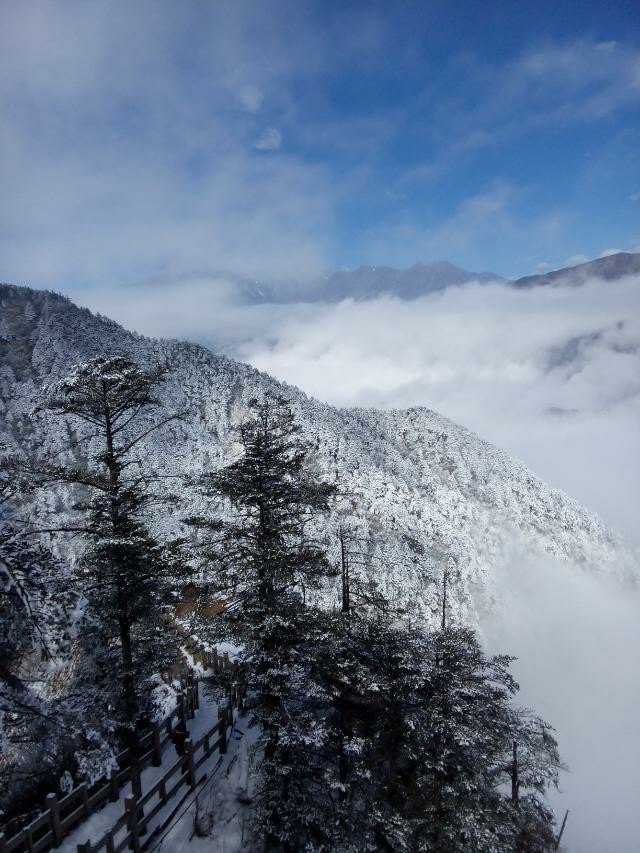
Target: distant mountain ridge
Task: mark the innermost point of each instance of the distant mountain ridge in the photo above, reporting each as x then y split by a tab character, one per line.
367	282
609	268
371	282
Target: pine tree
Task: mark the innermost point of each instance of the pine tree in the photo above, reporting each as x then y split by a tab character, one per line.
35	730
457	709
265	562
125	570
418	742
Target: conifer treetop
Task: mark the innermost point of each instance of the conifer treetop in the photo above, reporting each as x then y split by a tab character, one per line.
114	385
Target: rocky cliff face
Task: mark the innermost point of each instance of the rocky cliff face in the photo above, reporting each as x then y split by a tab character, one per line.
417	491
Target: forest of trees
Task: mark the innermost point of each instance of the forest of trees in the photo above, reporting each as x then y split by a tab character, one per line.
375	733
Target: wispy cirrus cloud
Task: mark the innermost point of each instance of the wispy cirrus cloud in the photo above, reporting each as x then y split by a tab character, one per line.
495	215
477	103
269	140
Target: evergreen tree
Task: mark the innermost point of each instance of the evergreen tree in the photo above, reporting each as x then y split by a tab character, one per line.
266	560
376	735
35	730
125	572
453	749
418	733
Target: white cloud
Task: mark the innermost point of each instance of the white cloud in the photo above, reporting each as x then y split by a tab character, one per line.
486	218
550	374
251	98
574	260
125	154
577	668
269	140
553	84
634	197
607	252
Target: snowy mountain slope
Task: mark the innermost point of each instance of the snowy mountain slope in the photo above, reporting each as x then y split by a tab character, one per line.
608	268
418	491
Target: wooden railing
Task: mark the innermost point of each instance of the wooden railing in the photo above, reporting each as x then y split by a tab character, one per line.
61	815
137	816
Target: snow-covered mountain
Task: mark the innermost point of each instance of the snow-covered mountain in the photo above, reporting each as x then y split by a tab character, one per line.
417	490
368	282
609	268
365	282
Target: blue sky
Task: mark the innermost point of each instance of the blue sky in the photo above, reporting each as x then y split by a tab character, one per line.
280	139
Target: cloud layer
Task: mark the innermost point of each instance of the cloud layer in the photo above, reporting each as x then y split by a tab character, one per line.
128	144
550	374
572	635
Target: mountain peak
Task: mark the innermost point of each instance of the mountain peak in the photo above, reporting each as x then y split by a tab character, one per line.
608	268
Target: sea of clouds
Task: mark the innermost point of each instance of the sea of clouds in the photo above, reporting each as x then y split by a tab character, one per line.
550	374
576	638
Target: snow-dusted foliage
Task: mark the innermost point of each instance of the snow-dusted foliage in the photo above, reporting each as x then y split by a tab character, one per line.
124	571
415	488
38	642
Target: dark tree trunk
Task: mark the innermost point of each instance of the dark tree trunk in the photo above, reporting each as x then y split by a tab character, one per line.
128	677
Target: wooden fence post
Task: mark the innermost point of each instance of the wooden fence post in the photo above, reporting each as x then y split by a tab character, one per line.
113	786
182	714
131	807
84	797
51	803
3	843
191	770
222	727
136	782
85	847
157	748
196	693
215	663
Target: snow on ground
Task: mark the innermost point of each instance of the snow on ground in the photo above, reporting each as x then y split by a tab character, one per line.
221	808
103	820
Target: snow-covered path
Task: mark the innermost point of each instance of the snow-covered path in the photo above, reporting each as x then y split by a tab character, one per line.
102	821
221	807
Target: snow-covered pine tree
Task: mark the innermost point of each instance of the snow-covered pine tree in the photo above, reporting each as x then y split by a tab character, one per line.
125	572
265	561
455	746
35	729
418	733
376	735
